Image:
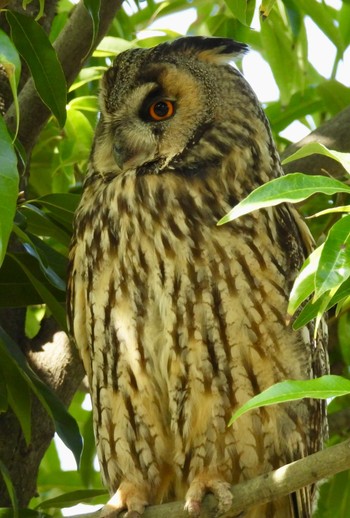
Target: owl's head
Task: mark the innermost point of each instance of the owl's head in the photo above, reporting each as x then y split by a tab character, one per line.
177	106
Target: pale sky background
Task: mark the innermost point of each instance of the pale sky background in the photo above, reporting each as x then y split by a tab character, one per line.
321	54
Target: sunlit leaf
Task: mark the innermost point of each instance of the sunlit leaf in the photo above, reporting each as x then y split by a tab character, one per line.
317	148
333	210
284	54
238	9
111	46
292	188
320	388
87	75
334	263
304	284
320	13
86	103
11	62
313	308
265	7
335	96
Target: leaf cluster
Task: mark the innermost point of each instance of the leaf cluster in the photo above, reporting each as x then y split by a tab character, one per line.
35	226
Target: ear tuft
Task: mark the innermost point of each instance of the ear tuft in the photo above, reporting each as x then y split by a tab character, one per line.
213	50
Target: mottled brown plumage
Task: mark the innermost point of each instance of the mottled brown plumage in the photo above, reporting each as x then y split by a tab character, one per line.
178	321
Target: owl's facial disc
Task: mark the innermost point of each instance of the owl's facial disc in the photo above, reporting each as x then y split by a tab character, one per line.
154	121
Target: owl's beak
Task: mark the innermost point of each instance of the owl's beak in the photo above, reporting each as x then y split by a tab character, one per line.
127	159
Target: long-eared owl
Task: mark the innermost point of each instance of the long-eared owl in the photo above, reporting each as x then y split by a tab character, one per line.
180	321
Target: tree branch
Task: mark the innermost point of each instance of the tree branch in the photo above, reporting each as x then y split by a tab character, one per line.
264	488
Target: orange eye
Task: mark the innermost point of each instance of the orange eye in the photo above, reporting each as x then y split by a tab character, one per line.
161	110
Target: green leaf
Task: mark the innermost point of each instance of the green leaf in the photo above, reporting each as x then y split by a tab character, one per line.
72	498
89	451
57	309
316	148
39	223
313	308
9	181
321	14
304	284
34	317
5	512
333	210
16	290
93	8
19	396
34	46
333	499
334	264
10	489
65	424
111	46
3	393
335	96
11	62
265	7
344	23
239	9
61	206
301	104
291	188
87	75
319	388
85	103
284	54
343	335
34	251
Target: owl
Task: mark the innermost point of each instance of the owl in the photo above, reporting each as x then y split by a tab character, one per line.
180	321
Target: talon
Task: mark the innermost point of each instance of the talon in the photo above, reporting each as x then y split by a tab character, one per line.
193	507
130	498
203	484
108	511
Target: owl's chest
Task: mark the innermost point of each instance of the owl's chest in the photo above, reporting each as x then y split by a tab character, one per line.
175	293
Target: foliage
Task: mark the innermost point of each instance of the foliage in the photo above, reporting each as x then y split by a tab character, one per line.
33	274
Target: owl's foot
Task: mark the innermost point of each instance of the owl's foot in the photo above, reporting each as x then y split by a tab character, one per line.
130	497
203	484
